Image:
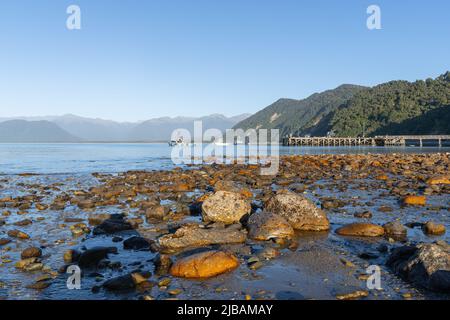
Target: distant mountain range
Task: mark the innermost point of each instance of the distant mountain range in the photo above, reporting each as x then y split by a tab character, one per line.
33	131
396	107
72	128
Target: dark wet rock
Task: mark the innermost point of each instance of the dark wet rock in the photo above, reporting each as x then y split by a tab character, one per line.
299	211
71	256
117	239
385	209
23	223
412	225
265	226
135	222
58	205
32	252
91	257
4	241
224	206
395	229
29	264
95	289
332	204
97	218
136	243
289	295
197	236
121	283
95	275
86	204
18	234
382	248
426	265
162	262
39	285
73	220
103	264
432	228
112	225
368	255
363	215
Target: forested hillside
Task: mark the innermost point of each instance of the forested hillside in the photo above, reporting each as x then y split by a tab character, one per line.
396	107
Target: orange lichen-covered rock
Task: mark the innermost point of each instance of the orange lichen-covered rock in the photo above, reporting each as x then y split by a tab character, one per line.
415	200
439	180
246	193
382	177
204	265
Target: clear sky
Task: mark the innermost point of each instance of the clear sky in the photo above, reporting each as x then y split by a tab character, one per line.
136	59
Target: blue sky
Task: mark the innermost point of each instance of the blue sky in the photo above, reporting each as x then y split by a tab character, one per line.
135	60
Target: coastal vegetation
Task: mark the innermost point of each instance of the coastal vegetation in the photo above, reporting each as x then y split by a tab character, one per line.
396	107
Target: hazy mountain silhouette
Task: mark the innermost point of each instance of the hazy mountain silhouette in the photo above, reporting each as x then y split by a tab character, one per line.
33	131
71	128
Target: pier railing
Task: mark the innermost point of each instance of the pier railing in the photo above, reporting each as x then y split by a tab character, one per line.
363	141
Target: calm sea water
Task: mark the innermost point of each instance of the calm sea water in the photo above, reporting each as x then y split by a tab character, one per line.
118	157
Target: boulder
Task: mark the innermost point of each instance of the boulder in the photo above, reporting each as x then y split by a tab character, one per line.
121	283
32	252
23	223
18	234
86	204
395	229
71	256
162	262
361	230
426	265
97	218
115	223
224	206
266	225
299	211
193	235
91	257
4	241
156	212
136	243
363	215
204	265
432	228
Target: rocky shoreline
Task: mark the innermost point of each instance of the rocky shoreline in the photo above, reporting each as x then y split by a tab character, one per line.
227	232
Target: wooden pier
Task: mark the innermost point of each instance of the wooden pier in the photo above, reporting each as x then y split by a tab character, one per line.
365	141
